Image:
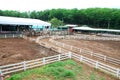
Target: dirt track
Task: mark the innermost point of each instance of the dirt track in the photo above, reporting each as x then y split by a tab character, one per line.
17	50
109	48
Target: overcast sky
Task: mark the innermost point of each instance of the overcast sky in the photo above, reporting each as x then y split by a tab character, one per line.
30	5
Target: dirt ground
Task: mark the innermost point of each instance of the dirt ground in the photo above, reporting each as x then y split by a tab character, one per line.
17	50
108	48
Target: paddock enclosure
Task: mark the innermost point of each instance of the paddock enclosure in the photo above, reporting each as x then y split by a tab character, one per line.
29	43
14	50
108	48
28	52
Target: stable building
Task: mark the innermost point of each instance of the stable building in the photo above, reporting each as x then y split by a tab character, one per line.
17	25
88	30
70	27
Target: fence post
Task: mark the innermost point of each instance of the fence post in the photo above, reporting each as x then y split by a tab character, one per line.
44	61
5	36
70	55
13	35
96	64
91	53
21	35
104	58
118	72
80	50
24	65
1	75
81	58
59	57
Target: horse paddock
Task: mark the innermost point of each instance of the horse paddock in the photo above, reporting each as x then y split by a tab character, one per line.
108	48
13	50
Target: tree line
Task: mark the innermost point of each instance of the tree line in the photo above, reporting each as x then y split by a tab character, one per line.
94	17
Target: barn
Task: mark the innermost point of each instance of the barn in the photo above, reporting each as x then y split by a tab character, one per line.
70	26
89	30
17	25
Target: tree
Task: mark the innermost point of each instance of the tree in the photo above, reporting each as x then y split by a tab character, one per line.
56	23
95	17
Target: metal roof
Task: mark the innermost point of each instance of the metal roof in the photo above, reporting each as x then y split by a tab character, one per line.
95	29
71	25
22	21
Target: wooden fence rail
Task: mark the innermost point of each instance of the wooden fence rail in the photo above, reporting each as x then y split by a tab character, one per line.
23	66
10	35
87	52
11	68
87	37
97	65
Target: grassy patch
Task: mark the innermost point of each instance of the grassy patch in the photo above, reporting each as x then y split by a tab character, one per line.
62	70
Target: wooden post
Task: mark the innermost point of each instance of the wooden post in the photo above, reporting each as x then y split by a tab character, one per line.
24	65
80	50
70	55
1	75
96	65
104	58
5	36
59	57
118	72
44	62
21	35
91	54
13	35
81	58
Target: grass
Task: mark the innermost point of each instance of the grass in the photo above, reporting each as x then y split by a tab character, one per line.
62	70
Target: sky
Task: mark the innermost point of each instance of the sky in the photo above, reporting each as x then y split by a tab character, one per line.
39	5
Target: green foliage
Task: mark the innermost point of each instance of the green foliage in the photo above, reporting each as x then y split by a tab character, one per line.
55	70
55	22
92	76
61	70
95	17
58	72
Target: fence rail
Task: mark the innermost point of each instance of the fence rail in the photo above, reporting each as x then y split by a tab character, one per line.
87	37
23	66
10	35
7	69
87	52
97	65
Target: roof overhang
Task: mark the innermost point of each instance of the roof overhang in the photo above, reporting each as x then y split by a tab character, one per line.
95	29
22	21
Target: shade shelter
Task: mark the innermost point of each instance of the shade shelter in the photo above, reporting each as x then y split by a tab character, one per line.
18	24
95	30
